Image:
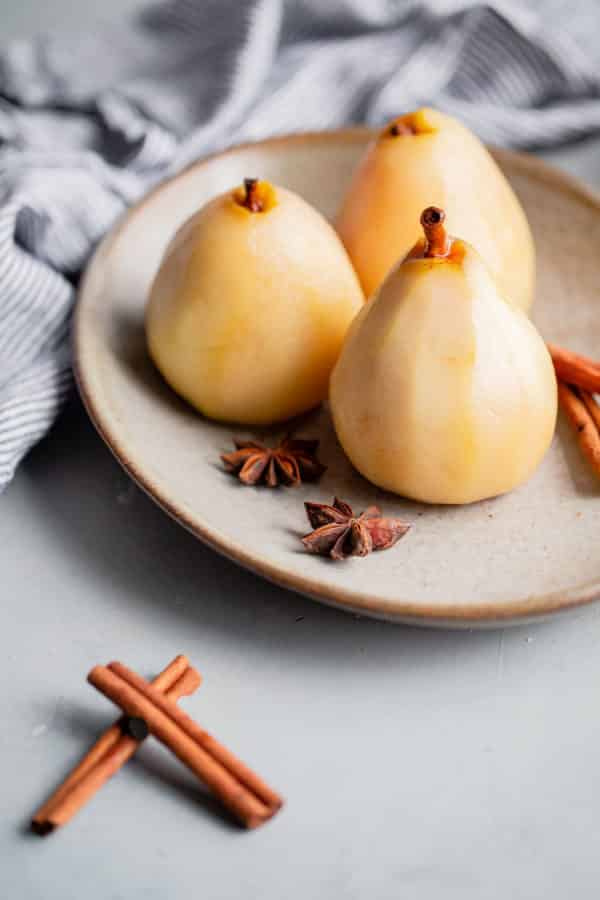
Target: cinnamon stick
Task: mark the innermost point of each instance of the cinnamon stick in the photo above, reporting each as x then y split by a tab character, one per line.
164	722
583	422
572	368
112	750
227	759
592	407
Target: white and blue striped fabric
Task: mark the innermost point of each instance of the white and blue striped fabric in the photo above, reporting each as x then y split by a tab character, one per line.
89	122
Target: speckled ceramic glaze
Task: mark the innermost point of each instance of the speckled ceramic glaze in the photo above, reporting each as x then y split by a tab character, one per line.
525	555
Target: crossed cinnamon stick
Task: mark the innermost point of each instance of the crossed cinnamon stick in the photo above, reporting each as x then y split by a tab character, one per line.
152	708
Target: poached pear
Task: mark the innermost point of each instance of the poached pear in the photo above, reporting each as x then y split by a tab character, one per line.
250	306
444	391
426	158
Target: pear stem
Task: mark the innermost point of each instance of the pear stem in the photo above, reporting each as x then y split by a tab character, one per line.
252	201
437	242
398	128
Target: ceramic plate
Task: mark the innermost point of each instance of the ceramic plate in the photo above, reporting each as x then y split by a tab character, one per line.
522	556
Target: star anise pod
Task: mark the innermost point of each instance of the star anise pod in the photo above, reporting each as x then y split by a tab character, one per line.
292	462
338	533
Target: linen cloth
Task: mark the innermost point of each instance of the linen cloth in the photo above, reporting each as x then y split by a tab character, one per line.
90	121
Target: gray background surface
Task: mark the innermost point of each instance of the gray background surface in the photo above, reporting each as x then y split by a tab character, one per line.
415	764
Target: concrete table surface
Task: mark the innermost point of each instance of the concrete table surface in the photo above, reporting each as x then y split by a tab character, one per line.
418	764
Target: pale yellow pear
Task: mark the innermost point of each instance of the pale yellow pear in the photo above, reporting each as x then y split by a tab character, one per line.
444	391
425	159
250	306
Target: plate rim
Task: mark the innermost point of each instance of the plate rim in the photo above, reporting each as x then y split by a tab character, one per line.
513	610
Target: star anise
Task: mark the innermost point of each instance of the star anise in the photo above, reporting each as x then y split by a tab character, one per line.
338	533
292	462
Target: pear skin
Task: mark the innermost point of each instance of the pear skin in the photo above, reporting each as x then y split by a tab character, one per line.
427	158
444	391
249	309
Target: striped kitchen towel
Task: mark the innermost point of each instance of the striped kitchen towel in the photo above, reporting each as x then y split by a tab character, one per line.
89	122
